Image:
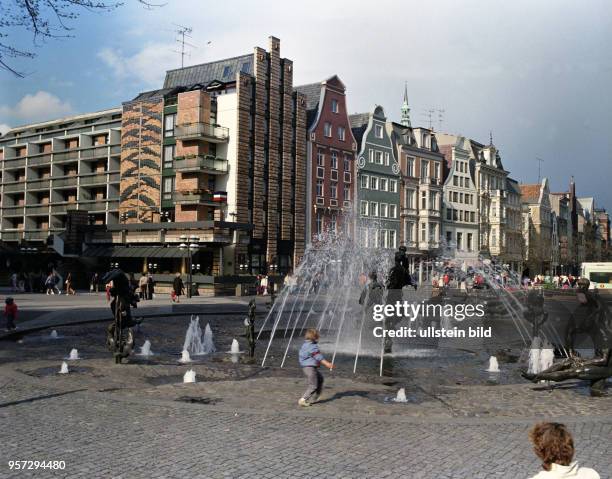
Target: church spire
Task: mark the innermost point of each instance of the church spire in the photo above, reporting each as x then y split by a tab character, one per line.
405	119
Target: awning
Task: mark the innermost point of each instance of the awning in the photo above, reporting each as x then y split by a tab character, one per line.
134	252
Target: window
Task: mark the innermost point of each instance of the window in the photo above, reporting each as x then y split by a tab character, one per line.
392	238
470	246
373	183
320	172
319	187
365	181
392	211
363	208
433	200
347	193
410	167
334	160
168	187
169	121
373	208
473	217
327	129
384	239
455	180
460	241
378	131
393	186
423	231
334	175
424	169
371	156
449	238
333	224
379	157
386	158
320	158
347	163
382	184
436	170
383	210
334	106
227	71
423	200
409	230
333	188
168	156
341	133
245	67
410	198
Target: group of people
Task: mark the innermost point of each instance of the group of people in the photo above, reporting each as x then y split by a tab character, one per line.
146	286
561	281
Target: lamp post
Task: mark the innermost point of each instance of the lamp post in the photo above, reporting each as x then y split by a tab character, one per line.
114	265
190	244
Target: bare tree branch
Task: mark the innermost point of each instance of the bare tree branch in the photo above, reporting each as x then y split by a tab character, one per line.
46	19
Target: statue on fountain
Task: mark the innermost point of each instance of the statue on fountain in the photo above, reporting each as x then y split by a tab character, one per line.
535	312
250	328
596	322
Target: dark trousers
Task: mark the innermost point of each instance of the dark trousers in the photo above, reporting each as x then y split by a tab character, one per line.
10	321
314	381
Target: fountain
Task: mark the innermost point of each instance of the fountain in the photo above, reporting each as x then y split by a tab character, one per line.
74	355
493	365
53	334
196	343
64	368
190	376
235	348
145	349
185	357
401	396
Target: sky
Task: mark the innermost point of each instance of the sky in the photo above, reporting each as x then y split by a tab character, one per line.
534	75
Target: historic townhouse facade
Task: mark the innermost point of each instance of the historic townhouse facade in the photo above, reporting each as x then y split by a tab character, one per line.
460	219
537	227
559	203
51	169
330	160
377	199
514	251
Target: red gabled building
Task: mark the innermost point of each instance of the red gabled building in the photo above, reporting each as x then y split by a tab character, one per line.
330	159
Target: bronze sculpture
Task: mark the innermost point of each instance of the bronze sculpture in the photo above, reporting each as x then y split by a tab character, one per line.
250	328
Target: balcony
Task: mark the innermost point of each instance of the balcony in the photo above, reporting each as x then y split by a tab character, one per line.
12	211
115	150
205	164
14	235
12	187
65	182
39	160
98	179
425	180
14	163
409	212
65	156
94	206
429	212
95	152
40	209
60	208
201	131
36	235
38	185
203	198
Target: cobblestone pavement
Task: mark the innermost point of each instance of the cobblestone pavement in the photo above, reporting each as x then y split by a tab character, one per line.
241	420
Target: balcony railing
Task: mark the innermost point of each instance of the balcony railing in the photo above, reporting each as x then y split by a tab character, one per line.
65	156
94	179
207	163
409	211
15	163
194	198
12	211
115	150
96	152
12	235
37	210
41	234
39	185
10	187
58	208
39	160
61	182
205	131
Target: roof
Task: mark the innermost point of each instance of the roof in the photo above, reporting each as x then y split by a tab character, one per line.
222	70
530	193
148	95
312	91
359	124
512	184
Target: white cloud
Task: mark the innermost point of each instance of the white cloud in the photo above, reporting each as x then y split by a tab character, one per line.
148	65
39	106
4	128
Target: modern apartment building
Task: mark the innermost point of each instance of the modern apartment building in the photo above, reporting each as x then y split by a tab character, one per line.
50	169
330	160
217	154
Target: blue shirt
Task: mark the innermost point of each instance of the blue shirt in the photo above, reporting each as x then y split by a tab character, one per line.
310	354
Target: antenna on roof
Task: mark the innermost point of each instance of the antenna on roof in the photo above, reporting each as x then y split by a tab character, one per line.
540	161
428	114
183	32
440	118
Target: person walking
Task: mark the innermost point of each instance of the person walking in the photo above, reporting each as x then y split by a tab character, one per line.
310	358
150	286
10	313
69	288
50	284
143	285
177	288
94	283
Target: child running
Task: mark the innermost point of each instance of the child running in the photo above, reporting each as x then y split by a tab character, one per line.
310	360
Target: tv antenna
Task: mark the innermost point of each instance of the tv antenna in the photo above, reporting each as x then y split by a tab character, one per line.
540	161
440	118
183	32
429	115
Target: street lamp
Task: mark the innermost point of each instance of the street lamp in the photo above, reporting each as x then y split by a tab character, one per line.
190	244
165	216
114	265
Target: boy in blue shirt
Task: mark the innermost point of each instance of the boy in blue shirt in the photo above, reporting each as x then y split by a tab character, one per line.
310	360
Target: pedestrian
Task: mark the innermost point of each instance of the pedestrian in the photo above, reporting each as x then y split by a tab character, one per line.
264	284
310	359
177	288
143	285
94	283
14	282
10	313
50	284
69	288
554	446
150	286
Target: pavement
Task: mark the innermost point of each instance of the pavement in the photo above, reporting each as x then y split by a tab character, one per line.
242	420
